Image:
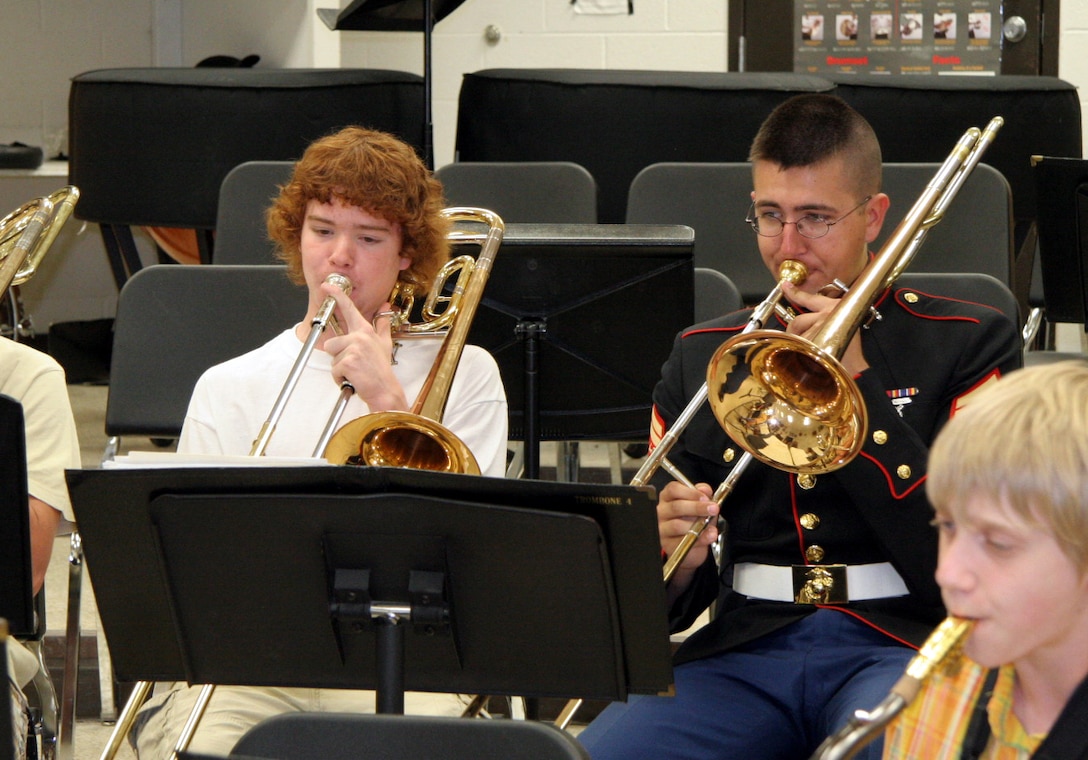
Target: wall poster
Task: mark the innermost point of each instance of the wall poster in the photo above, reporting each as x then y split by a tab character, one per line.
897	37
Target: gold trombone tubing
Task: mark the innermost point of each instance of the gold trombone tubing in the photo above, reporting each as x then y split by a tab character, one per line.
790	271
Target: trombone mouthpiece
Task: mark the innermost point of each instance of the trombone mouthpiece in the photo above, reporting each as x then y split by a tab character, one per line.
329	304
340	281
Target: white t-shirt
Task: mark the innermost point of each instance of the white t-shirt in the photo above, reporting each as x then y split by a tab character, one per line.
232	400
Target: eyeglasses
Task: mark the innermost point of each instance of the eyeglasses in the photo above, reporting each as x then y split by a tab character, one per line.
769	224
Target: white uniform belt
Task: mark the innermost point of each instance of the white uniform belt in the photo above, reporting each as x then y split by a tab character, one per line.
792	583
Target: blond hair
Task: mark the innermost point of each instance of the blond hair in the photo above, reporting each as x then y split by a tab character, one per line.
1023	442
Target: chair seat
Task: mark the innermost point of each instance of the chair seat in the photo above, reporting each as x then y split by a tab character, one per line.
301	736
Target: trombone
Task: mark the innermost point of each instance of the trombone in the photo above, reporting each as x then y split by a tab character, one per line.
414	439
788	401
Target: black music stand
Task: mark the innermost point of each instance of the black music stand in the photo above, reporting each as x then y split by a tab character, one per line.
398	16
1062	219
16	575
514	587
580	318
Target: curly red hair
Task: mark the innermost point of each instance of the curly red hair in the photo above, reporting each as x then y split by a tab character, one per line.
378	173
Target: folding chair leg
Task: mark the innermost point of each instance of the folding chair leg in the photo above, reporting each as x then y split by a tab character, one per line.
69	681
47	704
516	467
187	732
140	692
566	461
615	462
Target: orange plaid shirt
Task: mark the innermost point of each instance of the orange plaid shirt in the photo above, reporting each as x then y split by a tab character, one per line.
933	725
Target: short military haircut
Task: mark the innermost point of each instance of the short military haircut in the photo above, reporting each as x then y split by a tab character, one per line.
809	129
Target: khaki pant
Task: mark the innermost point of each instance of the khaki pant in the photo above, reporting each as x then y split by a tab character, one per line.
233	710
19	724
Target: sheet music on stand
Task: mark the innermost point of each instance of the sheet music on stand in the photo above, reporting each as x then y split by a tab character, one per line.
169	459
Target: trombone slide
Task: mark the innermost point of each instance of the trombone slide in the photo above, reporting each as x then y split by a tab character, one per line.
318	324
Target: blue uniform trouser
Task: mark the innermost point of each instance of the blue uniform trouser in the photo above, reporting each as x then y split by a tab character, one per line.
774	699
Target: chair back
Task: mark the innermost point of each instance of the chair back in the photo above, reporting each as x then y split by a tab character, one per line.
173	322
976	234
545	192
715	294
331	736
246	193
712	199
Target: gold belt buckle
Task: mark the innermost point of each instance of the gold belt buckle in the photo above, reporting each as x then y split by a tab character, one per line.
820	584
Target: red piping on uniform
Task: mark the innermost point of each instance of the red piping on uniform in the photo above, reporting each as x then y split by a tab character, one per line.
702	330
942	298
859	618
891	482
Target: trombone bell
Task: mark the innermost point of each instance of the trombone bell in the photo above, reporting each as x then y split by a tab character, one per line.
789	403
400	439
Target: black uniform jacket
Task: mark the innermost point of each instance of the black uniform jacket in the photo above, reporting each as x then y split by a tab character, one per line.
927	353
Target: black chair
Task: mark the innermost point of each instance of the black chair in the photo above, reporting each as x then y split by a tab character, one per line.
976	234
715	294
327	736
542	192
172	323
712	199
246	193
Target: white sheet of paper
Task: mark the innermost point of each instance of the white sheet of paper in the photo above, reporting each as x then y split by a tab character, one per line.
601	7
